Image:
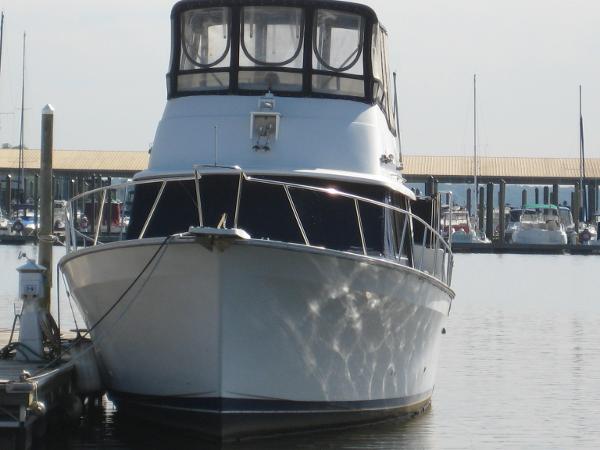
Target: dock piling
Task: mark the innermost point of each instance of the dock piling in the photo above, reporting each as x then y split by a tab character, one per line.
546	195
8	194
45	237
537	196
523	198
469	201
555	194
481	215
501	203
489	222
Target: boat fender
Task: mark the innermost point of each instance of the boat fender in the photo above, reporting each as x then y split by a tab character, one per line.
87	373
585	235
38	408
72	407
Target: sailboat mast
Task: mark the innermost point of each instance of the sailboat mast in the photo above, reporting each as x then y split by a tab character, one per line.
475	181
21	136
583	193
1	38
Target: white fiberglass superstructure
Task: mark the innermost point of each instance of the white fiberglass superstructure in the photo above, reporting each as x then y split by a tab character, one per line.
275	273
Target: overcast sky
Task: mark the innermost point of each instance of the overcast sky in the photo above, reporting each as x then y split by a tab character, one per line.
102	64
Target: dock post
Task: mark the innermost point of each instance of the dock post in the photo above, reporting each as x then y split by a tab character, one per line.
36	201
109	216
8	194
45	237
523	198
469	201
537	195
429	186
546	195
481	208
489	222
501	218
577	206
591	201
555	194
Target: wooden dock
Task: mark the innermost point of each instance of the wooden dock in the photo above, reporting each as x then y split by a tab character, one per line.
525	249
30	392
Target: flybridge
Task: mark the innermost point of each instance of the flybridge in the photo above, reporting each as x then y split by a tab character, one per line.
326	49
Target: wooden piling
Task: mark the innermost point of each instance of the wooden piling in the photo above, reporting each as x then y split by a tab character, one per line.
469	201
45	237
546	195
577	205
591	201
481	215
9	194
537	196
523	198
489	222
501	218
555	194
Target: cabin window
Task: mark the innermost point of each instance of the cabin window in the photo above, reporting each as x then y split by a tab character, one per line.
382	86
271	38
338	40
205	45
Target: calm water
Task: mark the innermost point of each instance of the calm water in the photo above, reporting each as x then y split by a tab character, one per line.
520	368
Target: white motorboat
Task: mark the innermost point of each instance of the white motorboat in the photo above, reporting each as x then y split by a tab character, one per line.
276	273
540	225
457	222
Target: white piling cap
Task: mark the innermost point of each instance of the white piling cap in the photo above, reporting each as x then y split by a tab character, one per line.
48	110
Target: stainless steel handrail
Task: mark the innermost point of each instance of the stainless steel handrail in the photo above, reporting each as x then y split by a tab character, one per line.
432	238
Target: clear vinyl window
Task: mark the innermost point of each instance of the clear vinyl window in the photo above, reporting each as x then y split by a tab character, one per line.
272	36
205	38
338	42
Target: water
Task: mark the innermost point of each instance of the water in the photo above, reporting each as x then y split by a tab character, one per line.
520	368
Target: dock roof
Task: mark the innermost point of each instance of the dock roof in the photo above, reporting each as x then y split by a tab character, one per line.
417	167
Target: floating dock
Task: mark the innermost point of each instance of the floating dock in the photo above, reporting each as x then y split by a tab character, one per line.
525	249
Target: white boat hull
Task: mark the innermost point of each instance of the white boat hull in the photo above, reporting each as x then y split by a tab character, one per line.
538	236
231	338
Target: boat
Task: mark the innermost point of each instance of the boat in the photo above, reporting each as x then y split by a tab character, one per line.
540	225
479	234
458	229
276	273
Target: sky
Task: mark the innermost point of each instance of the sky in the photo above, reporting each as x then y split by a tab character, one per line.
102	65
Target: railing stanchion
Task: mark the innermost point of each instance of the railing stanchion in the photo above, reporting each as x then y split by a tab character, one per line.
100	217
296	215
360	227
238	201
198	198
154	206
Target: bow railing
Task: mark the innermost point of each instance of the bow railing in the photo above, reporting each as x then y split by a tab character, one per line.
100	216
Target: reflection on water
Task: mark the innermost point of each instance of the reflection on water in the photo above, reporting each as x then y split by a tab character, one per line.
519	368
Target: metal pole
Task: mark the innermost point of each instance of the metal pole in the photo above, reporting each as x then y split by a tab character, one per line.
45	237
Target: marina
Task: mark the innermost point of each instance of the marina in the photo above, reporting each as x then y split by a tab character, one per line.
277	268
